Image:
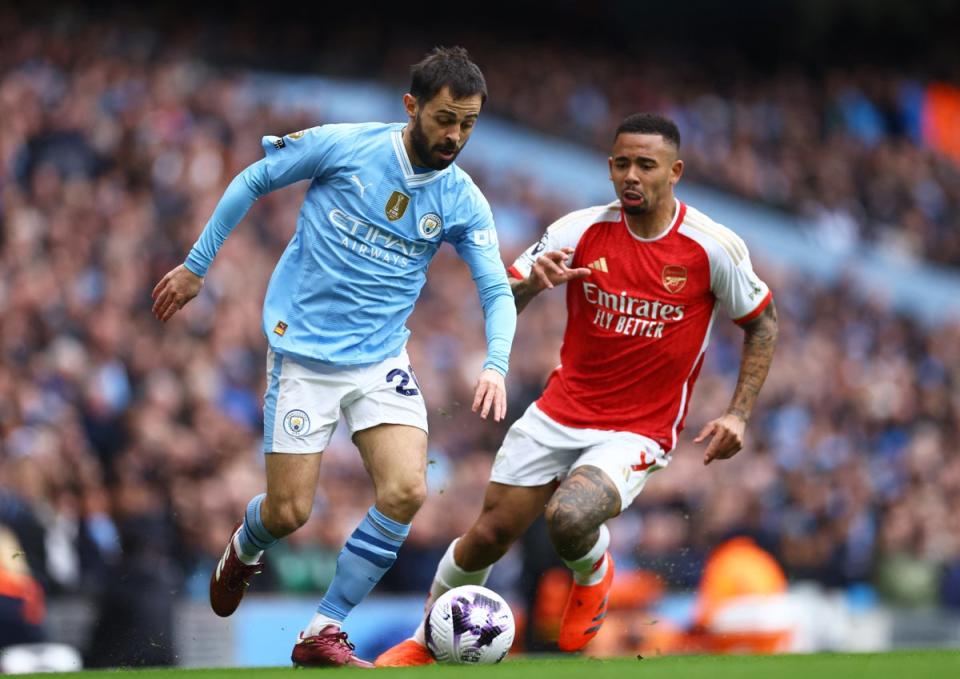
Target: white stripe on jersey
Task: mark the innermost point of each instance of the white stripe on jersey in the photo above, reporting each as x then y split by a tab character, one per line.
704	230
686	382
583	219
566	232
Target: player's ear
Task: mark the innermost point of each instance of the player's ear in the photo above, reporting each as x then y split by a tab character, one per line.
410	104
610	166
676	171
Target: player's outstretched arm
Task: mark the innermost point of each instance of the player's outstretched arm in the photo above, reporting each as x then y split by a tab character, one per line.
760	338
183	283
174	290
500	318
289	159
548	271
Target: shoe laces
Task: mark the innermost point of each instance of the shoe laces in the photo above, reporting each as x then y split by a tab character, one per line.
339	638
242	573
336	641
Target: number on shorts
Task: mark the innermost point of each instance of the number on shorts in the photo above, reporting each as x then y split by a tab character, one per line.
404	381
414	376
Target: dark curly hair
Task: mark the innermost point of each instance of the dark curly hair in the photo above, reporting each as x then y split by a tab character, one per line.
447	67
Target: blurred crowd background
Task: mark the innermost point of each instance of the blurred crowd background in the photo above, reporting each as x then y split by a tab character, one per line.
129	448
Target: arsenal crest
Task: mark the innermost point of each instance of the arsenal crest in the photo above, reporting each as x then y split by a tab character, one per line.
674	277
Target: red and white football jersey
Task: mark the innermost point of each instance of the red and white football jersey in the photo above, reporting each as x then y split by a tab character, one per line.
638	326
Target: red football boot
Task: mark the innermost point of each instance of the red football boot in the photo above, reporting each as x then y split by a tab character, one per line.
328	648
230	579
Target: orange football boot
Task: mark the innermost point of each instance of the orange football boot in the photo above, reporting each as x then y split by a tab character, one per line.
408	653
585	610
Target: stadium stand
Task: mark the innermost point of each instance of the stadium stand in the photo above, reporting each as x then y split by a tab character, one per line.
116	433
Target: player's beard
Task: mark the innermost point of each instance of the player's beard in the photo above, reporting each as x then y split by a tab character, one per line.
425	152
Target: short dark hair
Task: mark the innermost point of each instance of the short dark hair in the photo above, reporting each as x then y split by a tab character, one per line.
650	123
447	67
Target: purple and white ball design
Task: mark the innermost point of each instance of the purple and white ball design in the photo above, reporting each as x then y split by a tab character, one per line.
469	625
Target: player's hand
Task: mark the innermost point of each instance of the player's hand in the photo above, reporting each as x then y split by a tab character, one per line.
551	269
173	291
490	395
727	432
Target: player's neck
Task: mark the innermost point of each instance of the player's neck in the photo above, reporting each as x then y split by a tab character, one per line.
653	224
412	156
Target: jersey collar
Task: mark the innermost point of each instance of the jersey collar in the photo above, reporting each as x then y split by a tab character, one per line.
679	210
412	178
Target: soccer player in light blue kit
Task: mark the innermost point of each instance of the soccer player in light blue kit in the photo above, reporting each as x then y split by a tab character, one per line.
382	199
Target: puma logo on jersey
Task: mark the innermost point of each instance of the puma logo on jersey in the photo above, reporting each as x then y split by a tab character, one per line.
360	185
600	265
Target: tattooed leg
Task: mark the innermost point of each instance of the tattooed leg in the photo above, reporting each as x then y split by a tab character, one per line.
576	511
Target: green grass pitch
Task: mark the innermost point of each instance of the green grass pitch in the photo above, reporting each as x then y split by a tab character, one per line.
902	665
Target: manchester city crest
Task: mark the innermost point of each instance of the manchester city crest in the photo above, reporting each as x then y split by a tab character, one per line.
430	225
296	423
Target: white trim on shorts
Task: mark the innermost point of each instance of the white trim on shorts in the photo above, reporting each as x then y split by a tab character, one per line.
304	399
538	450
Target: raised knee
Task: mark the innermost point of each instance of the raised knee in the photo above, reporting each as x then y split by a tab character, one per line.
564	522
494	536
287	515
401	501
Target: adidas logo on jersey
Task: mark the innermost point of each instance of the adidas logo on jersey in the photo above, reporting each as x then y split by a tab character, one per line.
600	265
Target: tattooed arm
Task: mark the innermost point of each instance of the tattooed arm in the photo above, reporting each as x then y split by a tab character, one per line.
523	292
760	337
727	430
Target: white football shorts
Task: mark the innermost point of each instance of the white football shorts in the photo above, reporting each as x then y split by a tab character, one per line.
538	450
304	399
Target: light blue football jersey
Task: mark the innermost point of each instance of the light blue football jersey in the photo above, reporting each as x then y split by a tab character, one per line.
369	226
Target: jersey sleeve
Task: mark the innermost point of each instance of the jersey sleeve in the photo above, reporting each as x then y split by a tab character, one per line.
561	234
287	159
476	243
299	155
735	284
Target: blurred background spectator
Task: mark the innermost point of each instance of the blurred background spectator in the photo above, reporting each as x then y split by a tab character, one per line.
129	448
21	598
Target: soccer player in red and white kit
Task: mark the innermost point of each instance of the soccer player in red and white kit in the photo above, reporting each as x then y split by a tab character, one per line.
646	277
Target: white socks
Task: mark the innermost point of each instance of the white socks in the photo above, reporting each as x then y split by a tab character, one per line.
448	576
245	558
586	570
318	622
